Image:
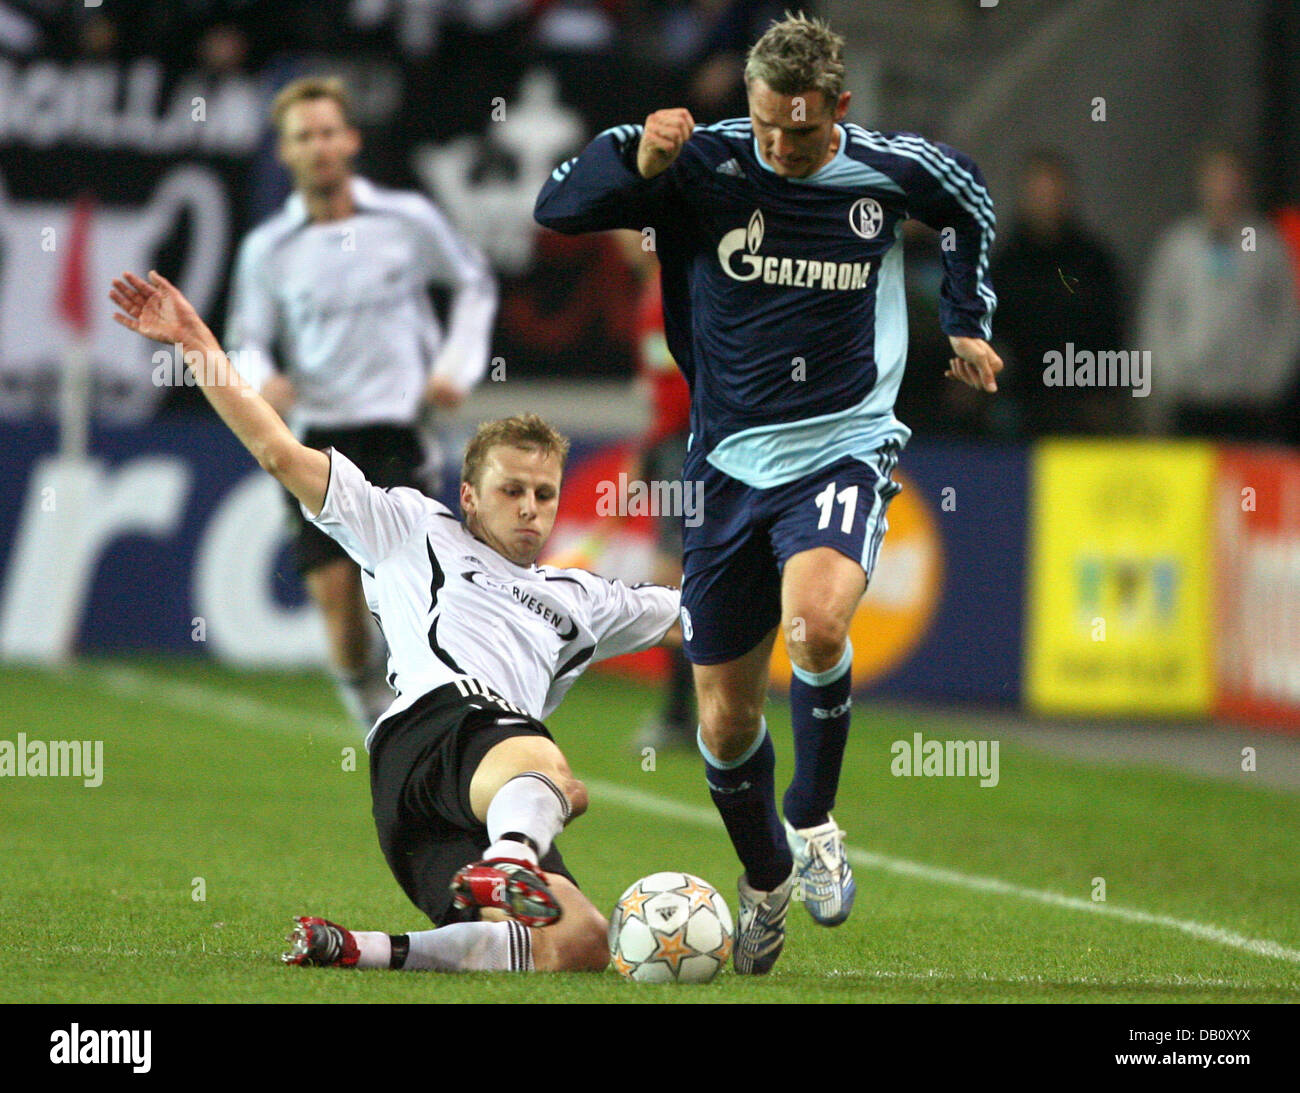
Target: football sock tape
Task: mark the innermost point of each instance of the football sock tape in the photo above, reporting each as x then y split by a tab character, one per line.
401	946
520	837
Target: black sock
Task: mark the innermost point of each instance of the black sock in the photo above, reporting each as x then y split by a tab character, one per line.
819	707
745	796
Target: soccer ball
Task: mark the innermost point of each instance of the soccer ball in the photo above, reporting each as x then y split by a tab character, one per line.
670	927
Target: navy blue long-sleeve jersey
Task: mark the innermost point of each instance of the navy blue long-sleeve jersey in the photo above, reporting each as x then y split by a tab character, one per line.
783	297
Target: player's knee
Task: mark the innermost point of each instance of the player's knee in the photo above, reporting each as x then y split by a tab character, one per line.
727	732
556	768
576	792
726	713
816	640
593	953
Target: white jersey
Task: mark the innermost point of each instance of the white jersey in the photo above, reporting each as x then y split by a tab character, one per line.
347	302
453	609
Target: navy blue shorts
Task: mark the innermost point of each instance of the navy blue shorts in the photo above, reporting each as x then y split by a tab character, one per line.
732	562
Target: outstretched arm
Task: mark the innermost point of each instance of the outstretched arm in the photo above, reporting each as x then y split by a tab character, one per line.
157	309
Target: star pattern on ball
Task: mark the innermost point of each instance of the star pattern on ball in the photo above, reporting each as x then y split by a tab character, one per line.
671	949
623	967
635	903
700	895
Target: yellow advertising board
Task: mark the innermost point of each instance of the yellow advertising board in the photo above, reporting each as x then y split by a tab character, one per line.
1120	613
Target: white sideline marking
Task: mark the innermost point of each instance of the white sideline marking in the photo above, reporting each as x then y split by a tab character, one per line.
135	683
707	817
131	682
935	975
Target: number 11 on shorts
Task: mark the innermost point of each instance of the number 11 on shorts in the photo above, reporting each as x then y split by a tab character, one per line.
825	501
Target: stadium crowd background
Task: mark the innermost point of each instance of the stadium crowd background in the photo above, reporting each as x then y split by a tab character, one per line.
1100	128
429	73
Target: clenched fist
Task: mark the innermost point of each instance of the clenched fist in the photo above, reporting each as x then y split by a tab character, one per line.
666	132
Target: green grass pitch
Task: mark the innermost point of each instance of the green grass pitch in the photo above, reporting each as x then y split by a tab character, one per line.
232	787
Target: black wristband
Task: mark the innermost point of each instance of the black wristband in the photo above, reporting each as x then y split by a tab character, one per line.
520	837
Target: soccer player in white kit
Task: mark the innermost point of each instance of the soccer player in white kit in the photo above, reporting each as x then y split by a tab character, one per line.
334	288
469	789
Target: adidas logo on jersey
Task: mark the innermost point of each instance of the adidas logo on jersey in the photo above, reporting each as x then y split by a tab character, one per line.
738	251
731	167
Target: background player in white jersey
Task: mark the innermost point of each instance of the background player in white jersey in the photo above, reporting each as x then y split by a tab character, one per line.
337	282
483	644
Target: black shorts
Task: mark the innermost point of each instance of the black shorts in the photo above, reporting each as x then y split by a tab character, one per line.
388	455
421	763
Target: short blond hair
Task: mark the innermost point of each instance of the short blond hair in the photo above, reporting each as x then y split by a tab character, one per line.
308	89
528	432
798	54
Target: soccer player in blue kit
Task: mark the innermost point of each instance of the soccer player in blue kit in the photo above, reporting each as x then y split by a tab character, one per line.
778	236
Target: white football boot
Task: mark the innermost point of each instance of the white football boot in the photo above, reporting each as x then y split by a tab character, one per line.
825	880
760	927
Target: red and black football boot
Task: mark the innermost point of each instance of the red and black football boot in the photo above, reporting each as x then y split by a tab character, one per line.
507	885
322	943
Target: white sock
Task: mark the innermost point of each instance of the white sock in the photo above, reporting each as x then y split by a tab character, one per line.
375	949
529	804
471	947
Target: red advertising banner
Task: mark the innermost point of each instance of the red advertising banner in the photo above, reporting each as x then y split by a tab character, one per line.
1257	548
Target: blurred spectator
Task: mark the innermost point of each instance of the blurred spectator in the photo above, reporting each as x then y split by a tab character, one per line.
1219	314
1057	283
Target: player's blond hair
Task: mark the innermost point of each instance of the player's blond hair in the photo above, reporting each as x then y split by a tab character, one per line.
309	89
800	53
526	431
